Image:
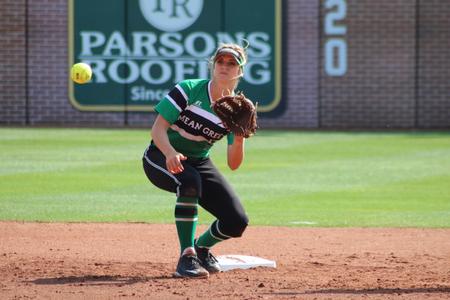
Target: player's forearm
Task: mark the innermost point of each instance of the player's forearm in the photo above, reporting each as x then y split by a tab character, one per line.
162	142
160	138
236	153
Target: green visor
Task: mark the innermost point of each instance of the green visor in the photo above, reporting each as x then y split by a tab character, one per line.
236	55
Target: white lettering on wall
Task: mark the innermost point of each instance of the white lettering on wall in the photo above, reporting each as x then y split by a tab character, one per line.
335	49
169	57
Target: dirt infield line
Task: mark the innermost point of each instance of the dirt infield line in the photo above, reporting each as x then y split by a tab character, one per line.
109	261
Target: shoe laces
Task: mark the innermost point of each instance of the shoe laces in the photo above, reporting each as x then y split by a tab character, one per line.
210	257
206	255
193	260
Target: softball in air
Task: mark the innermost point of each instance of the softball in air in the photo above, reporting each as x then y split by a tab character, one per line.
81	73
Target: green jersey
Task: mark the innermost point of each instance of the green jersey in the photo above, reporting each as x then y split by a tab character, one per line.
194	125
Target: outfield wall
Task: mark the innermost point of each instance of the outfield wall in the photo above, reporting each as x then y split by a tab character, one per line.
394	72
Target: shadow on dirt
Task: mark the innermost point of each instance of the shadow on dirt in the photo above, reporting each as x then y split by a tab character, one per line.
98	280
379	291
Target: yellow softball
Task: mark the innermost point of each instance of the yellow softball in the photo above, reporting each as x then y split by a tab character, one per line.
81	73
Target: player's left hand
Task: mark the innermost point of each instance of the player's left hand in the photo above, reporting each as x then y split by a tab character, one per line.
237	113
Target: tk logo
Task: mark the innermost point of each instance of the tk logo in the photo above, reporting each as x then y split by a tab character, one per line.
171	15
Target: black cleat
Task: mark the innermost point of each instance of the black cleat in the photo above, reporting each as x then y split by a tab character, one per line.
207	260
189	266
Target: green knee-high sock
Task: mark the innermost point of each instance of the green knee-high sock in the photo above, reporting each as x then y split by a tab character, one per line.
186	215
211	236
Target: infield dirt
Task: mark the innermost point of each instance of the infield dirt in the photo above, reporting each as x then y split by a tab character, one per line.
128	261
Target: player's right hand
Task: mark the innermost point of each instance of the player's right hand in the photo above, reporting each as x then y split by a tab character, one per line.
173	162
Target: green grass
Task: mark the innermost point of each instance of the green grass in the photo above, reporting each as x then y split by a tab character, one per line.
288	178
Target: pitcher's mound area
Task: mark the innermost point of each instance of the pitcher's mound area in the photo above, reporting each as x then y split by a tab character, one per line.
120	261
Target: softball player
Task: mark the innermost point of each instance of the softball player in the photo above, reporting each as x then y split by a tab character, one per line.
177	161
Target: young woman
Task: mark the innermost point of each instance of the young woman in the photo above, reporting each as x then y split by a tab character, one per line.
177	161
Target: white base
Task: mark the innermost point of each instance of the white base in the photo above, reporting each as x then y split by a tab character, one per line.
230	262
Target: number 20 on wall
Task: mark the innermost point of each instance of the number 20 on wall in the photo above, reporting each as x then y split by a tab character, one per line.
335	43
